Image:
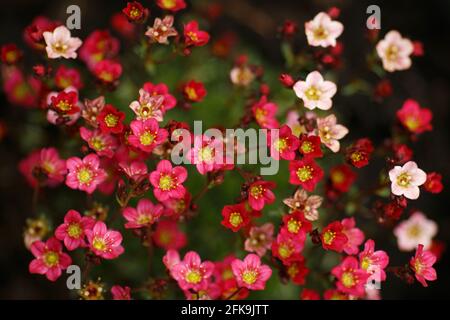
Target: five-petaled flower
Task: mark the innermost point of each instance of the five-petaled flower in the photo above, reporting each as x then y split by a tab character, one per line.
284	145
260	193
315	92
61	44
192	273
146	135
72	231
414	118
417	229
333	237
250	273
161	30
323	31
85	174
422	265
351	278
235	216
194	91
167	181
145	214
406	180
103	242
395	51
110	119
330	132
305	172
193	36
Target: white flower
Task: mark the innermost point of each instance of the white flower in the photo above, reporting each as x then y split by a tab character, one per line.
322	31
406	180
61	44
414	231
315	92
242	76
394	51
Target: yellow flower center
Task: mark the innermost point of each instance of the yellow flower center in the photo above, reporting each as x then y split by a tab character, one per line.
111	120
412	123
356	156
144	219
97	143
235	219
392	52
284	251
59	47
414	231
348	280
304	173
206	154
313	93
293	226
404	180
365	263
328	237
338	177
147	138
292	270
193	276
74	230
249	276
191	93
193	36
135	13
84	175
280	145
64	105
169	4
307	147
320	33
99	244
51	258
166	182
256	191
106	76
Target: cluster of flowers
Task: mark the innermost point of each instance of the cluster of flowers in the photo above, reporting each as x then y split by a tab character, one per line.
118	156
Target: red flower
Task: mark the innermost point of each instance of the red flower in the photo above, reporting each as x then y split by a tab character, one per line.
49	259
33	33
342	177
193	36
310	146
333	237
297	271
171	5
296	224
264	113
110	119
235	217
358	154
72	231
309	294
434	183
99	45
289	28
414	118
121	25
10	54
168	236
161	89
287	248
284	146
402	153
108	71
383	89
306	173
135	12
259	194
422	265
194	91
351	279
68	77
65	103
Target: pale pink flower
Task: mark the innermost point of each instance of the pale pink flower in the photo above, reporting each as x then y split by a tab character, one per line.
161	30
407	179
394	51
242	76
85	174
250	273
330	132
61	44
309	205
260	239
149	106
414	231
322	31
145	214
192	273
315	91
354	235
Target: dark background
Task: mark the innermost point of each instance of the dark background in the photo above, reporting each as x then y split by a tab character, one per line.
255	21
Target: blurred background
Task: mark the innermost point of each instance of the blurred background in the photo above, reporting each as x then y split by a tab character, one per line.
255	23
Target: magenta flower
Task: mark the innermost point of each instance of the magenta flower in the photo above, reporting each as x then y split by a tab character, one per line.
171	258
49	259
161	89
167	181
121	293
72	231
355	237
264	113
260	194
422	264
103	242
145	214
192	273
373	262
146	134
103	144
351	279
207	154
134	170
85	174
250	273
285	145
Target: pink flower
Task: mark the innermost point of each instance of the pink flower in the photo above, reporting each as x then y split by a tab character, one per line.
43	167
322	31
315	92
148	107
330	132
146	134
250	273
394	51
414	231
64	107
72	231
85	174
192	273
61	44
373	262
355	237
284	145
135	170
206	154
121	293
407	179
422	264
351	279
167	181
260	194
49	259
145	214
414	118
161	89
168	235
103	242
260	239
103	144
264	113
162	30
171	258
